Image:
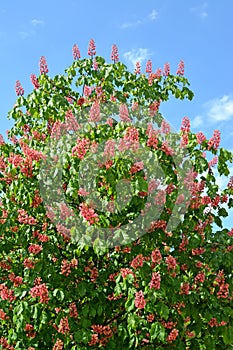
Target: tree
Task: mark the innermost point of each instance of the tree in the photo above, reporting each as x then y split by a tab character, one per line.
107	216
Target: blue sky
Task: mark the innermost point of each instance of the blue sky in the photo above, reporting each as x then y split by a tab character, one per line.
199	32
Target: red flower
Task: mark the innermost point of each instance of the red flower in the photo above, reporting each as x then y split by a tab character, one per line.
76	52
43	65
80	101
91	48
139	301
155	281
180	70
18	88
114	54
166	69
173	335
214	140
138	68
34	81
149	66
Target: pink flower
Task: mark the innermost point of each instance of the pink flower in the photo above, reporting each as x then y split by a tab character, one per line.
71	121
88	213
58	345
136	167
18	88
165	127
173	335
91	48
180	69
230	183
34	81
153	108
184	288
171	262
87	90
83	192
95	64
43	65
134	106
223	291
81	147
155	281
156	256
6	294
29	263
166	148
94	115
185	126
137	261
139	301
214	140
213	161
124	113
166	69
40	291
149	66
126	271
35	248
200	137
76	52
137	68
114	54
109	149
200	277
73	310
64	326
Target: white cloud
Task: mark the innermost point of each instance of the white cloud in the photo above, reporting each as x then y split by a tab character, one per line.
37	22
220	109
23	35
139	55
215	111
131	24
152	16
200	11
197	121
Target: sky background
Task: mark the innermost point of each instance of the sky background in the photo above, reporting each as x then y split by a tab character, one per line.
198	32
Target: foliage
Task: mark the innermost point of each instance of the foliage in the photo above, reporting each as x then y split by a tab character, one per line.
159	283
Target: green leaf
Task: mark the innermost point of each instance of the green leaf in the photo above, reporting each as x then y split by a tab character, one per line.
228	335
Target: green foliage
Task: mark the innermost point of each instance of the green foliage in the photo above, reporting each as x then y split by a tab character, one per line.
167	280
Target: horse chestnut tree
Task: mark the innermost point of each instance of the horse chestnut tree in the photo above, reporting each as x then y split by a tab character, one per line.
111	222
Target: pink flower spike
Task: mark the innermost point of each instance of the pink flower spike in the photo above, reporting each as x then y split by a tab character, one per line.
34	81
18	88
91	48
149	66
43	65
166	69
124	113
94	115
180	69
137	68
76	52
114	54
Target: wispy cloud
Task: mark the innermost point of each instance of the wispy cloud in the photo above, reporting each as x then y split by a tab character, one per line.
152	16
197	121
137	55
23	35
200	11
131	24
220	109
215	111
37	22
